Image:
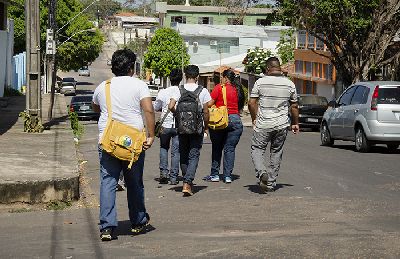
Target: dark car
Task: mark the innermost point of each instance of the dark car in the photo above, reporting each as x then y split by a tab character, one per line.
311	110
82	105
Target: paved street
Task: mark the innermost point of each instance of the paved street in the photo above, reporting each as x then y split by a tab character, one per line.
331	203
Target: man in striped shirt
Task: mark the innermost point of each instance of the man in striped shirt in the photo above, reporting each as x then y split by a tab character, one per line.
271	100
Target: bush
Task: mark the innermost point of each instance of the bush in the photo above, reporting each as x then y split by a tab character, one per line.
8	91
76	126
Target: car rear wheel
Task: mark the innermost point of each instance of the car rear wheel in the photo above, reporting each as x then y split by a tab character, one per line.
361	141
326	139
392	147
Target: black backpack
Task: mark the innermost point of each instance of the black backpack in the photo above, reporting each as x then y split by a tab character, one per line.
189	112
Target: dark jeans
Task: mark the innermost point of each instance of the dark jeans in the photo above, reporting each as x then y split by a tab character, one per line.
225	140
110	169
167	136
189	149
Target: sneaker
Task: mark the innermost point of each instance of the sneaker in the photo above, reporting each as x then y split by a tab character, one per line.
163	178
106	234
187	189
173	181
228	179
266	186
211	178
136	229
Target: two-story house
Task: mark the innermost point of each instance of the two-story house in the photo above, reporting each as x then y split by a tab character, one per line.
314	72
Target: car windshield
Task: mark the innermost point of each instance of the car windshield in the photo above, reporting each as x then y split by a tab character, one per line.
389	95
313	100
84	68
68	79
67	84
85	98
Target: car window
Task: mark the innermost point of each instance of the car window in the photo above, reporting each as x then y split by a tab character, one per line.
85	98
345	99
359	95
313	100
389	95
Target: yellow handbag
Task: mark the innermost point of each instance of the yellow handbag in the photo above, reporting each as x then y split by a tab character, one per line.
120	140
219	116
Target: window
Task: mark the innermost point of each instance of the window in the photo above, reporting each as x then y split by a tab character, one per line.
320	44
235	21
346	96
263	22
301	39
299	66
309	87
311	41
309	68
389	95
359	95
205	20
178	19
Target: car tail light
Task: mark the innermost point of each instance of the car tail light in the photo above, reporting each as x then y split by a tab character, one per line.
374	100
71	109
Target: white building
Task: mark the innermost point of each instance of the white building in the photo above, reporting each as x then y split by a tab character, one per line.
6	49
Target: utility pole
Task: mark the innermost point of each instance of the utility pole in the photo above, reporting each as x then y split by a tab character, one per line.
33	96
51	55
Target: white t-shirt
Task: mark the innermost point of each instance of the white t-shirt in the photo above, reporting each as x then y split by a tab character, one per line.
162	102
126	93
204	95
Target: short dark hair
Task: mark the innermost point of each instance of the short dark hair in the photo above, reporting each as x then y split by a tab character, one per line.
123	60
175	76
273	62
192	71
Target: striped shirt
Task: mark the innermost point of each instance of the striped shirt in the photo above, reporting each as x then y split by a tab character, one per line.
274	95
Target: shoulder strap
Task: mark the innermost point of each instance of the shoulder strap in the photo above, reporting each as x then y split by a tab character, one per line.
182	89
108	100
223	88
164	117
198	90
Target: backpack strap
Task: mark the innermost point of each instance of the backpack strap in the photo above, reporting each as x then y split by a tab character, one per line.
182	89
223	89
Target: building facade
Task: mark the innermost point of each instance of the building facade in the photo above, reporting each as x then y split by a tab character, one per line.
314	72
212	15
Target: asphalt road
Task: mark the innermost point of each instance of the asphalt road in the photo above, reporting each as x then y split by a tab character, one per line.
331	203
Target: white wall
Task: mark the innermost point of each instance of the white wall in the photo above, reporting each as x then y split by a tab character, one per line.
326	90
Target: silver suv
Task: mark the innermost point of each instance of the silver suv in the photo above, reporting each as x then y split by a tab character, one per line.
367	113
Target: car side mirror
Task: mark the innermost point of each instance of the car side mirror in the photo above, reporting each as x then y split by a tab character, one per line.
333	104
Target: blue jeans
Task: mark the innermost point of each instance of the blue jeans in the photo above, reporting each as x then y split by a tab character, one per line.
225	140
167	136
110	169
189	149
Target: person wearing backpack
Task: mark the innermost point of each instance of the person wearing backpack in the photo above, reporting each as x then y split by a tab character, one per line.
226	139
191	117
168	135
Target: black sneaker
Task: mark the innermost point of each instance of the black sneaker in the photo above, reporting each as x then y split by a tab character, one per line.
106	234
139	228
163	178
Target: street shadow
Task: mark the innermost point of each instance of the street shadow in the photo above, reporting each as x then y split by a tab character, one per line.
124	229
377	149
9	112
195	189
54	122
255	188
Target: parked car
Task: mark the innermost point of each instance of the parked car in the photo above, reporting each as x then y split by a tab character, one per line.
367	113
154	91
311	110
68	88
82	105
69	79
84	71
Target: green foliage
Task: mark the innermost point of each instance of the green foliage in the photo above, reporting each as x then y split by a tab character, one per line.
58	205
76	126
286	45
102	9
255	60
31	124
11	92
19	210
81	49
166	51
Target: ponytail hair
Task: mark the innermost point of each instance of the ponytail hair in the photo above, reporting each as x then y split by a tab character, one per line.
236	82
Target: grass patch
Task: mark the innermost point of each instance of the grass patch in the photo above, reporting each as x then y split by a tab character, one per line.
19	210
58	205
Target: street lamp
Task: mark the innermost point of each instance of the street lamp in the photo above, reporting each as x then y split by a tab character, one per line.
89	30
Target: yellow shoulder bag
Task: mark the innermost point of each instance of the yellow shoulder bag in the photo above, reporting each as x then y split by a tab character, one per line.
219	116
120	140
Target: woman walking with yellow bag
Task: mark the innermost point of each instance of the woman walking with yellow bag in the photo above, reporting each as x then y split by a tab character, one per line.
230	94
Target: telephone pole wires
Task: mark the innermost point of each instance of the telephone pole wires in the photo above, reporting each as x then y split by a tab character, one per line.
33	96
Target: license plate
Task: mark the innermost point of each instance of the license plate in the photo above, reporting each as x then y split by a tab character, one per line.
312	120
84	108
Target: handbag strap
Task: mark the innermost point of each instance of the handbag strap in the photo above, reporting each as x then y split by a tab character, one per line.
224	93
164	117
108	100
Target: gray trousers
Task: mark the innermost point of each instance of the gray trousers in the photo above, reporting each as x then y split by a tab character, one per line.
259	143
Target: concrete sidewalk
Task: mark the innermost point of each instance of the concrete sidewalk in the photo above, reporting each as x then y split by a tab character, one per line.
37	167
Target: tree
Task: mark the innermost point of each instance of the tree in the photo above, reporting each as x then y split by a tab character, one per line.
286	46
255	60
356	32
102	9
82	48
166	51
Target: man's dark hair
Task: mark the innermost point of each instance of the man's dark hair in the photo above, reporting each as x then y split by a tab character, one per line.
192	71
123	60
175	76
273	62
